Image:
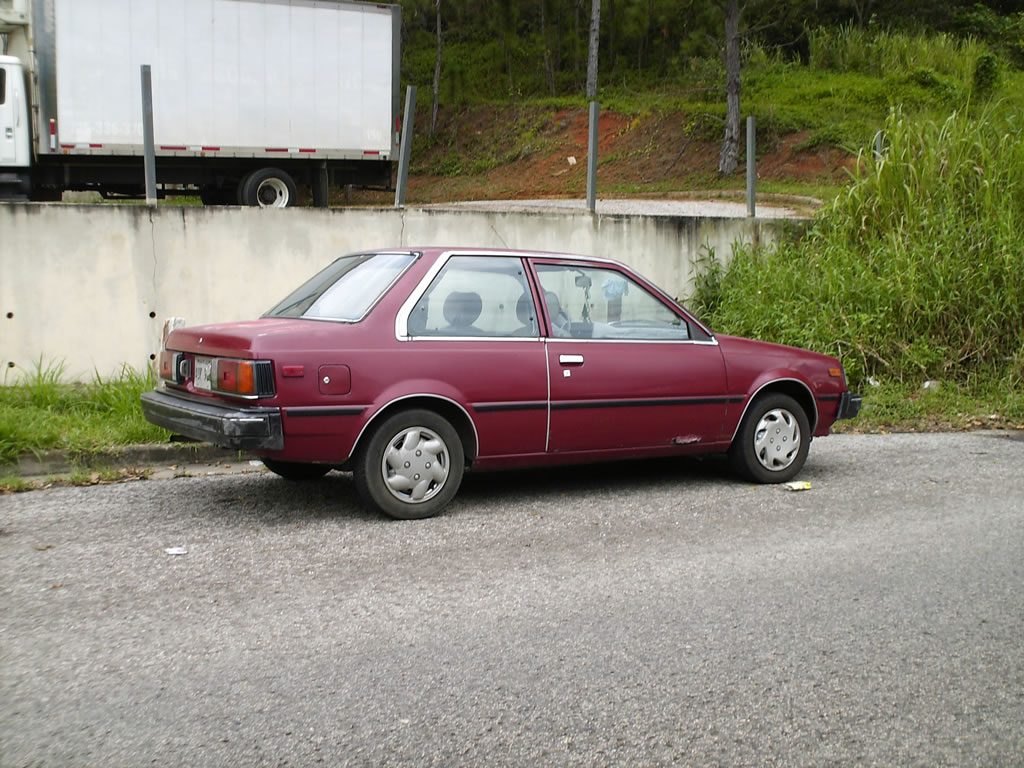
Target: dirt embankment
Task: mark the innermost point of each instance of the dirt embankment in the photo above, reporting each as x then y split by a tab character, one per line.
515	153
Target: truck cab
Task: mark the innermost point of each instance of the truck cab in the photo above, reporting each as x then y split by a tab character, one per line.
15	153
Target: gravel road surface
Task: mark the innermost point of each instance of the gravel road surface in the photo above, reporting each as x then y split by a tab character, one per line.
640	614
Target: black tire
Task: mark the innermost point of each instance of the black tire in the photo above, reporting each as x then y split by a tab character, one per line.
763	448
240	188
296	471
268	188
429	447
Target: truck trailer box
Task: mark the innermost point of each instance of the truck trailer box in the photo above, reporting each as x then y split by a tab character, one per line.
237	84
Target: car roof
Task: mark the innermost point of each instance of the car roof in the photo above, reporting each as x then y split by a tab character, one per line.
436	250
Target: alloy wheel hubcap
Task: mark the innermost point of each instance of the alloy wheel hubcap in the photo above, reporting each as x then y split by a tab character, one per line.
777	439
415	465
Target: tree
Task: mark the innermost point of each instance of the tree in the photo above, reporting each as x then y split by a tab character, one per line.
728	160
547	51
437	70
862	8
595	30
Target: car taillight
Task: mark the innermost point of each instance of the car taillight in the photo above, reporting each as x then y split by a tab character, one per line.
248	378
170	366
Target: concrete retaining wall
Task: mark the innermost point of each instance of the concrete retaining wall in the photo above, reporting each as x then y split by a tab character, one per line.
91	285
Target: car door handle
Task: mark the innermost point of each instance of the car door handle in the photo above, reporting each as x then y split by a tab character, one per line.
570	359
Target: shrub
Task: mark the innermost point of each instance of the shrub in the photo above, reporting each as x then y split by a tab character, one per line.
915	271
986	74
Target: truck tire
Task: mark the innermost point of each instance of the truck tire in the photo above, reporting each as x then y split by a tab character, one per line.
268	188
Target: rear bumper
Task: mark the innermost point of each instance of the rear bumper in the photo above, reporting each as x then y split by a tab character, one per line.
849	405
223	425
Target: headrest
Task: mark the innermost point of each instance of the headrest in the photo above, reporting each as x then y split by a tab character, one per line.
462	308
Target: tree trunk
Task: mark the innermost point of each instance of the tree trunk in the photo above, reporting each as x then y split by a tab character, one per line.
437	71
861	8
559	36
729	158
576	36
610	56
547	53
595	29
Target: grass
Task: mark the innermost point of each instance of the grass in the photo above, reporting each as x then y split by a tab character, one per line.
839	99
850	48
914	272
43	411
899	406
13	483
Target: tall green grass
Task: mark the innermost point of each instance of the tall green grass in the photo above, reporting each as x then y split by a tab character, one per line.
43	411
914	272
882	53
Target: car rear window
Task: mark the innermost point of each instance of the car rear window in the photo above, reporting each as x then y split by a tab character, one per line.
347	289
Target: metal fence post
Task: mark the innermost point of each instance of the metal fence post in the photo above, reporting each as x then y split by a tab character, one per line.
149	153
879	144
406	148
595	109
751	167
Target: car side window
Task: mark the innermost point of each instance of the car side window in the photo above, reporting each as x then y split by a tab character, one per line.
477	296
595	303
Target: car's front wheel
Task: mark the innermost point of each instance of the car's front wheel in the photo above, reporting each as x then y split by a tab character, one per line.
772	443
411	466
293	470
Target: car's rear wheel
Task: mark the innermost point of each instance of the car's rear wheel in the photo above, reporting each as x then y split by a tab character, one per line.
772	443
411	466
296	471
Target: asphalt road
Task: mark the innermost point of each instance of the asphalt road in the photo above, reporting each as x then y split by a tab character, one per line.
642	614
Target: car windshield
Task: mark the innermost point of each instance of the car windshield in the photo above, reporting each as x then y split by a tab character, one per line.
346	289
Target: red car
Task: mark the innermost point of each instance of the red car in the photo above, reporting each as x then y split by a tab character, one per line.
409	366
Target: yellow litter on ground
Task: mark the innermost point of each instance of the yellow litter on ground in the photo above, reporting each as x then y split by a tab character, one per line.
797	485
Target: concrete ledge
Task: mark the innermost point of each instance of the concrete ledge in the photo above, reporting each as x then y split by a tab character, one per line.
137	456
114	273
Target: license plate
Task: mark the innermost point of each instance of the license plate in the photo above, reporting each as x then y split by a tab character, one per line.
203	372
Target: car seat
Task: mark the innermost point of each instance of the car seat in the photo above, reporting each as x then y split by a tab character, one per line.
527	316
461	309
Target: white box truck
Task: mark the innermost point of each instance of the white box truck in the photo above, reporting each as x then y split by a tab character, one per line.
250	97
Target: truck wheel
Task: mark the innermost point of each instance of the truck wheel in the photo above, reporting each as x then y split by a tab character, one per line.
411	466
268	188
